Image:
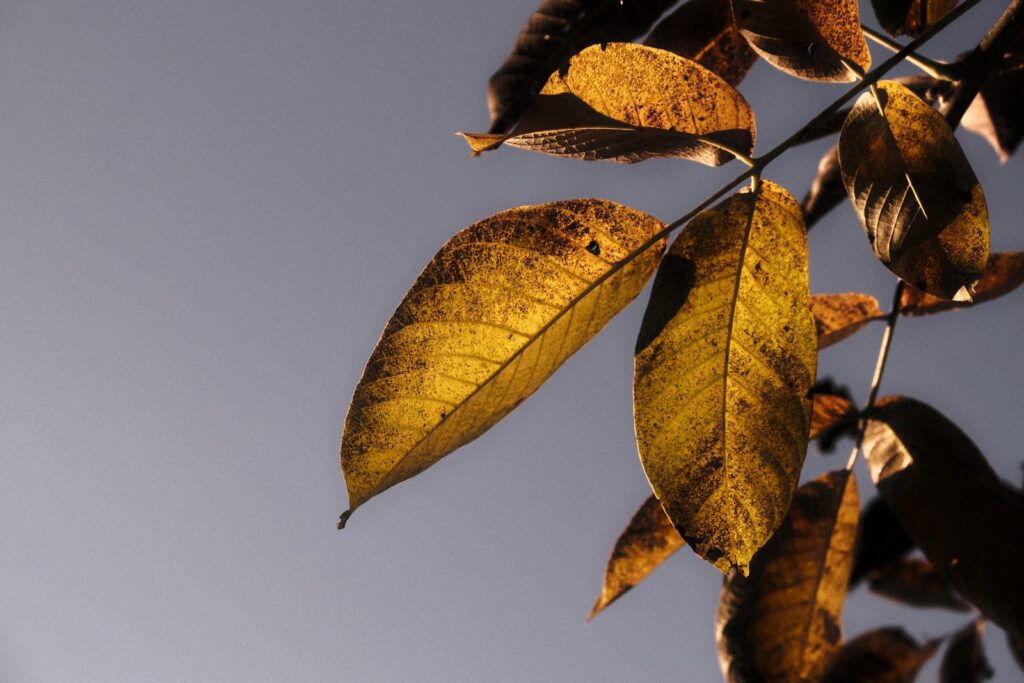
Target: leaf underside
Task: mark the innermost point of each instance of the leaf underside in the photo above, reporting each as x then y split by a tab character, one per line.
724	365
904	17
502	305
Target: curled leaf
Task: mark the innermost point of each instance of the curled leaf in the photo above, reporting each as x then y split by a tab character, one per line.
810	39
556	31
910	17
782	623
502	305
880	540
704	31
968	523
724	365
915	582
837	316
885	655
648	540
624	102
914	191
1003	274
965	660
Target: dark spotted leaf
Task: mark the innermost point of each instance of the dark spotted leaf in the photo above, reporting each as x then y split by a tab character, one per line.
885	655
915	582
965	660
1003	274
910	17
837	316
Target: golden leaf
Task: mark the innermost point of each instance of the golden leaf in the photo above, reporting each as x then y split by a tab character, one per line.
782	623
968	523
904	17
648	540
837	316
624	102
723	371
885	655
810	39
915	193
1003	274
502	305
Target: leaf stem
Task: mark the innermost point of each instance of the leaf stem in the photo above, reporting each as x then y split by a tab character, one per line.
944	72
739	155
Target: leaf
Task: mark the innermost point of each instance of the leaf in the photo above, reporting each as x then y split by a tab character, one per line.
965	661
1016	644
903	17
704	31
783	622
969	524
997	112
502	305
915	193
724	365
626	103
644	544
809	39
837	316
1003	274
915	582
885	655
880	540
557	30
828	410
826	189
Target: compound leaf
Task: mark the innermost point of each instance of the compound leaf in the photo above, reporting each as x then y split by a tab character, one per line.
724	365
502	305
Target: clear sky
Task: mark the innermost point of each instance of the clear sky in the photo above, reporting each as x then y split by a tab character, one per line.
209	210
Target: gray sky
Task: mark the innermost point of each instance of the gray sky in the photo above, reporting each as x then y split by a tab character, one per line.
209	211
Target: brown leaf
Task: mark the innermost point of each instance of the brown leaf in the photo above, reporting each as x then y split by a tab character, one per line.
624	102
885	655
828	410
904	17
808	39
556	31
837	316
915	582
965	661
826	189
782	623
969	524
1003	274
704	31
914	191
647	541
880	540
997	112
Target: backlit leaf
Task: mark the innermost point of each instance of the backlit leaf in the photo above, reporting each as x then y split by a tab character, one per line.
809	39
915	193
502	305
904	17
885	655
624	102
556	31
837	316
915	582
782	623
1003	274
965	661
724	365
827	410
969	524
704	31
880	540
645	543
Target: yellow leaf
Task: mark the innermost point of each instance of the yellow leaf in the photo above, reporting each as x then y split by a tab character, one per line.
502	305
915	193
625	102
723	372
837	316
782	623
648	540
1004	273
903	17
885	655
809	39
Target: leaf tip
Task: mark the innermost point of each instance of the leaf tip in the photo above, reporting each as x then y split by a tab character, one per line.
481	142
598	607
343	519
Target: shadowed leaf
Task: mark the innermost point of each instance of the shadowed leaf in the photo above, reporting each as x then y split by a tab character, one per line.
556	31
704	31
915	193
782	623
626	103
885	655
914	582
826	189
904	17
965	661
1003	274
502	305
645	543
808	39
828	410
837	316
997	113
969	524
1016	644
880	540
723	370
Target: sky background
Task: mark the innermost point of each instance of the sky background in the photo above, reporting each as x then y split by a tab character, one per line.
209	211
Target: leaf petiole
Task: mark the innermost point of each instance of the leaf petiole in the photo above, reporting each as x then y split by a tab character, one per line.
943	72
